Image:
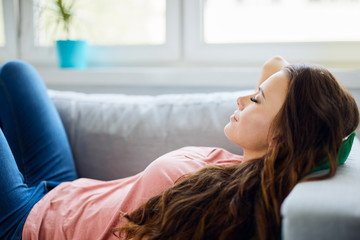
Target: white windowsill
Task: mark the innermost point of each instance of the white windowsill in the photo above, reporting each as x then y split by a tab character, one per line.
166	79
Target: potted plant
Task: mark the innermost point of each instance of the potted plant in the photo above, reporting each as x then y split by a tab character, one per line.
71	53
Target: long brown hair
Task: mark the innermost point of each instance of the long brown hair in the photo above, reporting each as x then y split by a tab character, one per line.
243	201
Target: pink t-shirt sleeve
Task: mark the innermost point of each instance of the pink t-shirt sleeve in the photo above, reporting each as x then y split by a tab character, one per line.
88	209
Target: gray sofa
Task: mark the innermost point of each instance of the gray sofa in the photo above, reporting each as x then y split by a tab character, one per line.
114	136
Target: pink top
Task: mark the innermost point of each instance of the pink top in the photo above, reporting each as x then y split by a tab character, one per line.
88	209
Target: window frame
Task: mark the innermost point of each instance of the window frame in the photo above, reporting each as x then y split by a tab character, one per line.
106	55
184	46
9	51
196	50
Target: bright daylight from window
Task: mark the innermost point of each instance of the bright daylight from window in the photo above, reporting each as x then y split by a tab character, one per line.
241	21
106	22
2	32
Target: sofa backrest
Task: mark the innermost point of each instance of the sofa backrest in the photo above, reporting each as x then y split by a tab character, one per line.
114	135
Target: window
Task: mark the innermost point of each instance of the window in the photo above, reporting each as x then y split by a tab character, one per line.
245	21
119	32
2	31
8	28
113	22
244	32
188	32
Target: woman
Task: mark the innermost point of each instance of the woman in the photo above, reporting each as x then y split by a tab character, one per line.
191	193
299	116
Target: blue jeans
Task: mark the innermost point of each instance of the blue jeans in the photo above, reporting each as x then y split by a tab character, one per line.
35	155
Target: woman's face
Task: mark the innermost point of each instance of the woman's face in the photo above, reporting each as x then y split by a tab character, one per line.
250	123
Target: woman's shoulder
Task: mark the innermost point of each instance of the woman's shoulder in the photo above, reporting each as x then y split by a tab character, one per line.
207	153
197	157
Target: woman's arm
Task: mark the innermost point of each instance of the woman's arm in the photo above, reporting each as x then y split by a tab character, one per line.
271	66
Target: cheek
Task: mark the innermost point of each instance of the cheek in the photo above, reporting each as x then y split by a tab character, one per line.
253	129
250	131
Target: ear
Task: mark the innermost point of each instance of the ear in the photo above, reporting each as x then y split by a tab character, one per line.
274	140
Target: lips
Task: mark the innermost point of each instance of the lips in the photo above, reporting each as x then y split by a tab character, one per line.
234	116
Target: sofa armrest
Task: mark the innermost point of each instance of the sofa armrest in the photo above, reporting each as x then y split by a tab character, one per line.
327	209
114	135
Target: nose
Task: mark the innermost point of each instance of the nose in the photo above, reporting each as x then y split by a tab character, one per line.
240	103
243	101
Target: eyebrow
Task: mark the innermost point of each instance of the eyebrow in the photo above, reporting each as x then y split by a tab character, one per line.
262	92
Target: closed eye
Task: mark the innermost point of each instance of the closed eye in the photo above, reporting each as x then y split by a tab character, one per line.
253	100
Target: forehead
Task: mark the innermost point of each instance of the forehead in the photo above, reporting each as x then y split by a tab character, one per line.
275	89
276	86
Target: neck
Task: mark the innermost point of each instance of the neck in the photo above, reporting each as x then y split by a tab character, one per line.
249	155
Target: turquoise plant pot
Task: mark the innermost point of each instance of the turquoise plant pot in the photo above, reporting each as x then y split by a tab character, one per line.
72	54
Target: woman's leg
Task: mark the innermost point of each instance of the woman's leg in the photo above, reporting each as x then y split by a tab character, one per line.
34	150
16	198
32	126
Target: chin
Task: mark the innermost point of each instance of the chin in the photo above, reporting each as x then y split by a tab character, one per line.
226	130
230	134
